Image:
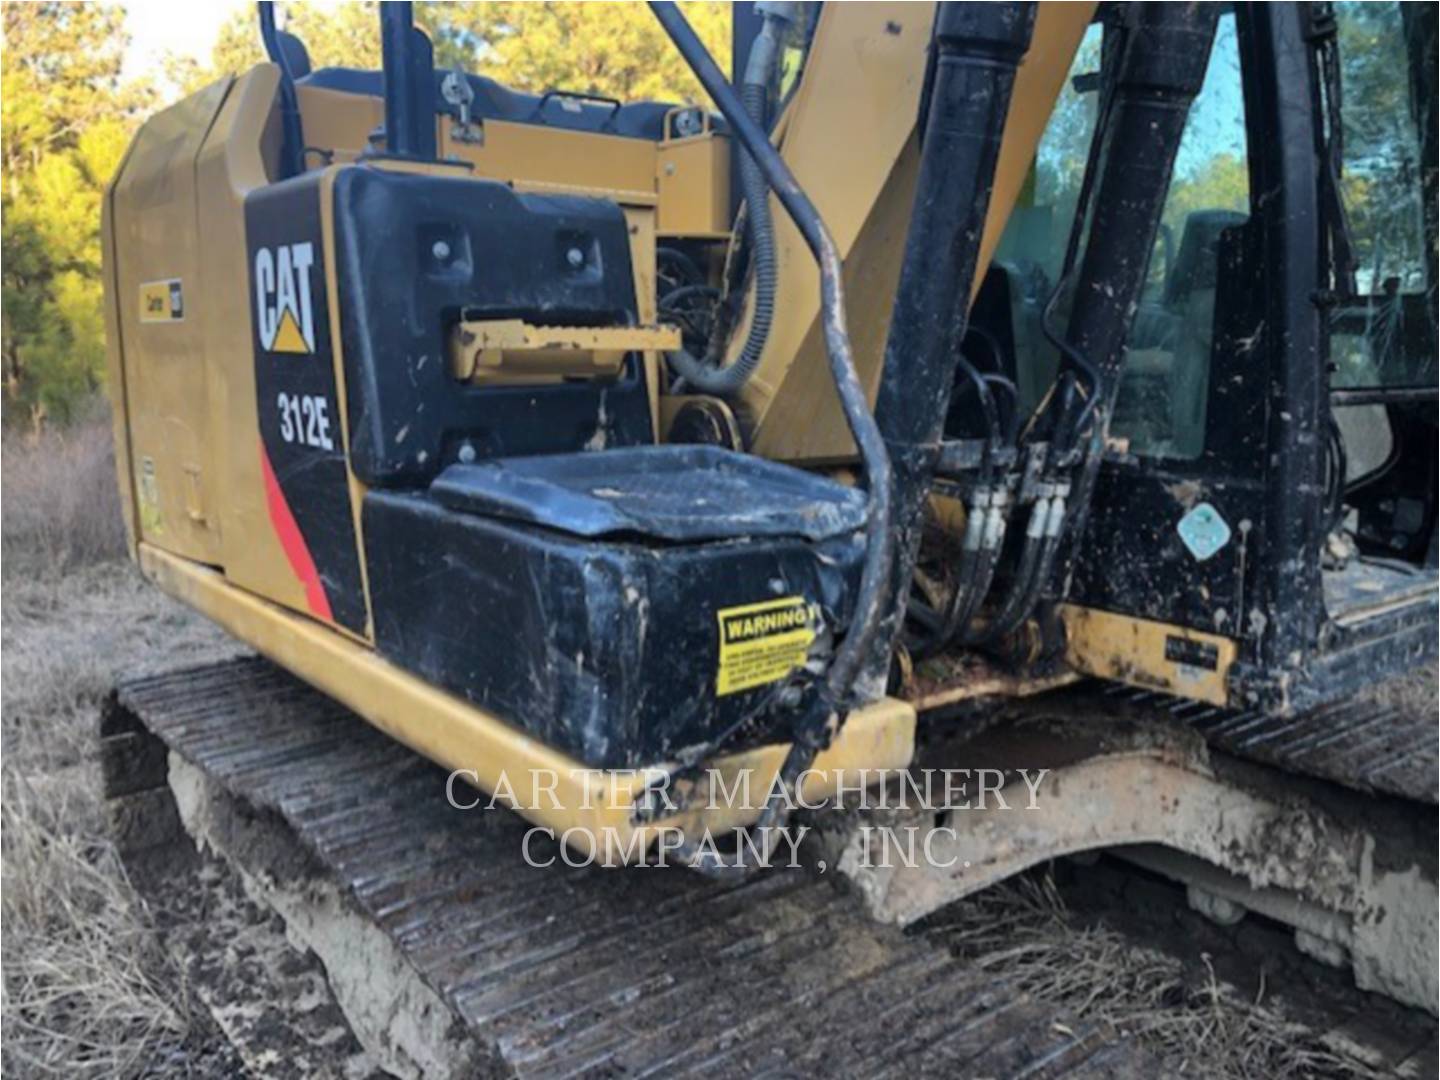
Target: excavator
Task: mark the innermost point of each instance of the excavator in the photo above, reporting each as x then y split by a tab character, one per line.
1042	388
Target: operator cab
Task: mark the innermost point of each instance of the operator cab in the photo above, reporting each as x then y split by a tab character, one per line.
1269	484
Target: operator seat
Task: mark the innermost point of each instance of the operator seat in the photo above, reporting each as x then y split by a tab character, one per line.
1166	379
1190	294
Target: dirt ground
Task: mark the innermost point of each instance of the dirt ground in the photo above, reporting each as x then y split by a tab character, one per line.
104	978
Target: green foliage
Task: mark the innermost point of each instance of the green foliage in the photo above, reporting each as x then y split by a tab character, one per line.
1382	165
605	48
617	49
64	126
67	119
1221	182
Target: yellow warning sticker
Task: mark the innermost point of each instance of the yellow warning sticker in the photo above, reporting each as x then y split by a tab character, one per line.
162	301
762	643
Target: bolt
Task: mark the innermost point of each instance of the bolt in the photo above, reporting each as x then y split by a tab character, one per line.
467	453
441	250
575	257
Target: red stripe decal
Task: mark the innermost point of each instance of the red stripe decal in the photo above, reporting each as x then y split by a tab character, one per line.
293	542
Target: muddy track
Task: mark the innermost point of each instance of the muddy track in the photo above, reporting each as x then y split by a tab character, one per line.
450	955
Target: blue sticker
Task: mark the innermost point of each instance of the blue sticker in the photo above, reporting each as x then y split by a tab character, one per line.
1203	531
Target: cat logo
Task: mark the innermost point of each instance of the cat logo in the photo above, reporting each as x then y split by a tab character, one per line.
282	298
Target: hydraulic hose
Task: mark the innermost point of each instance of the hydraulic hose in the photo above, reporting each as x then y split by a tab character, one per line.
980	551
972	552
874	458
1067	431
870	603
292	137
959	625
1013	610
701	374
1044	567
1012	422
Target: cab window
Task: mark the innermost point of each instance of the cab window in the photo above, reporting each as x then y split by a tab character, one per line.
1161	403
1383	327
1165	382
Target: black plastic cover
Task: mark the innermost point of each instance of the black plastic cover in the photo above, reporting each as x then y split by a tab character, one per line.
415	252
676	493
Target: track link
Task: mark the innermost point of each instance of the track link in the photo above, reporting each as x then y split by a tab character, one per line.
1383	741
452	956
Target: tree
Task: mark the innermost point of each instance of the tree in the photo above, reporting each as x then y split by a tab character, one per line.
67	118
1220	182
613	49
63	129
616	49
1381	183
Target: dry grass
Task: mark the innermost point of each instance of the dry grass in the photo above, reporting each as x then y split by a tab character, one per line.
61	503
87	990
1021	933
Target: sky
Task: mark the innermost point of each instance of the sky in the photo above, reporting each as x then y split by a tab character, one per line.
187	28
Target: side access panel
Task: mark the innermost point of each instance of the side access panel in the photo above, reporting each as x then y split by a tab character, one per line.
155	284
241	155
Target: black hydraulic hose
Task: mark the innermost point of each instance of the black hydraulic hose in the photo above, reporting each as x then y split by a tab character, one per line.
984	577
994	378
987	402
1012	611
762	230
702	374
688	268
870	601
1066	434
684	292
292	135
1044	567
875	459
961	603
1012	423
1037	556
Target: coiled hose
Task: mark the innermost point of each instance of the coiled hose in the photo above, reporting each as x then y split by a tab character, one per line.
754	96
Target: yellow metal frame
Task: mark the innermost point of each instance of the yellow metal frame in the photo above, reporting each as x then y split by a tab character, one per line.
1131	650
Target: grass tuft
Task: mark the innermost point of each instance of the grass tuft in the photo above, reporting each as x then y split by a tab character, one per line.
87	990
1021	933
60	499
